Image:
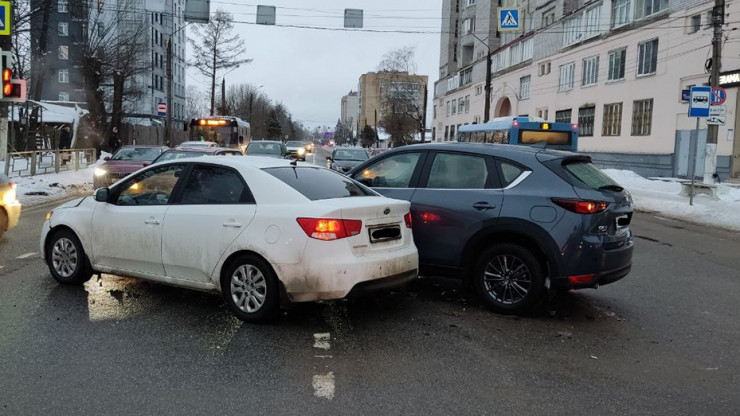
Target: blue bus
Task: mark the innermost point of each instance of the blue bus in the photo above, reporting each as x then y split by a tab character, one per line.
522	130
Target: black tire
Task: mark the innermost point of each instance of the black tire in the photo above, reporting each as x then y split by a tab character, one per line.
3	221
259	283
509	278
66	259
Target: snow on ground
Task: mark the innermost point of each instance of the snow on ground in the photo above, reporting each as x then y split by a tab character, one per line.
34	190
663	198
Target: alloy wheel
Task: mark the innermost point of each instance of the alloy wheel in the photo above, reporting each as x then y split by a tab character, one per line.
507	279
248	288
64	257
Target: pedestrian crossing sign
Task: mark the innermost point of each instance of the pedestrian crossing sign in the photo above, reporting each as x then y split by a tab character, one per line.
4	18
508	20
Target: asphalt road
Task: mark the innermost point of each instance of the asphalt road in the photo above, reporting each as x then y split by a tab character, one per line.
662	341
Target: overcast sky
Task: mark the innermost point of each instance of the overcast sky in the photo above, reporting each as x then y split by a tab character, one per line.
310	70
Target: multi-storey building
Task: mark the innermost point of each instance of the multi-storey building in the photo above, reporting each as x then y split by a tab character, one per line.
617	68
350	109
375	87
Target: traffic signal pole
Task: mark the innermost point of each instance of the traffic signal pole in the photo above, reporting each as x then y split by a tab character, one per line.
5	44
710	152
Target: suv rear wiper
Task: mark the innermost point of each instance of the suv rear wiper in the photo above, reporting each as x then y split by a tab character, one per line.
615	188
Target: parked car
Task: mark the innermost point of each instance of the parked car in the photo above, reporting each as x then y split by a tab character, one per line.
297	149
257	230
512	220
344	159
377	151
267	148
10	208
197	144
125	161
185	153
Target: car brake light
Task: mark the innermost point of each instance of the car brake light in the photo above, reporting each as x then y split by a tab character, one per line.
407	220
586	278
328	229
582	207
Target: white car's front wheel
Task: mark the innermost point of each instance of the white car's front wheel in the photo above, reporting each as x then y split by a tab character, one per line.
67	260
250	288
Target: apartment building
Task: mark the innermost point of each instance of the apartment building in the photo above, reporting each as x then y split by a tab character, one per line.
617	68
374	87
350	109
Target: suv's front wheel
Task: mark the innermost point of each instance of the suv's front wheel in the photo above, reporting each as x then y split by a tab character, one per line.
509	278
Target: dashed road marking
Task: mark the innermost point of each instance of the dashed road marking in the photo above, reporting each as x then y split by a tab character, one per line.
322	341
323	385
27	255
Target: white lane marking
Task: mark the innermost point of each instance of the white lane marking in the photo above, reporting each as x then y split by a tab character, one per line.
315	356
323	385
27	255
322	341
2	267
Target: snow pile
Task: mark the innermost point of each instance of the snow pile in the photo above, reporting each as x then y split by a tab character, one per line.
663	198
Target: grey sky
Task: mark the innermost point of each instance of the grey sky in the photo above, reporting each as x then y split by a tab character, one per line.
310	70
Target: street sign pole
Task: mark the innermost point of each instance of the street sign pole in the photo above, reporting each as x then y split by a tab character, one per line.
692	159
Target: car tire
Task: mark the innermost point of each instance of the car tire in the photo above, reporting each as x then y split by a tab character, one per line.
250	288
3	221
509	278
66	259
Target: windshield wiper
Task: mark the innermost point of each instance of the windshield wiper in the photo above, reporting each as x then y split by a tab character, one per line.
615	188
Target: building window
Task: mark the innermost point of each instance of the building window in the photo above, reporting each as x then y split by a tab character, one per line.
460	106
586	121
63	29
621	12
62	7
524	87
647	53
544	69
454	107
64	76
452	133
447	133
448	108
567	72
467	104
642	117
469	25
64	52
479	90
572	30
591	23
645	8
543	113
590	71
548	17
616	64
612	120
63	96
469	3
694	24
563	116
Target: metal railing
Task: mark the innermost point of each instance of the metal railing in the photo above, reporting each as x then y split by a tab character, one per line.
39	162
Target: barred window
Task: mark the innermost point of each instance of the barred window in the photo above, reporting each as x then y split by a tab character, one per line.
563	116
642	117
612	120
586	121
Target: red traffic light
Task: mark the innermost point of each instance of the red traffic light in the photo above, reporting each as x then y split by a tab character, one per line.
7	89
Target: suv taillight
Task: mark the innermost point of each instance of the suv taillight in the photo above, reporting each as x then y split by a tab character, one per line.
328	229
582	207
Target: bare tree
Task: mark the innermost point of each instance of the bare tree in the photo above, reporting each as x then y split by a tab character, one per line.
195	100
401	96
217	48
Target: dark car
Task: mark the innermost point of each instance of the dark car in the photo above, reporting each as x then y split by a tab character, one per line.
513	220
344	159
267	148
186	153
125	161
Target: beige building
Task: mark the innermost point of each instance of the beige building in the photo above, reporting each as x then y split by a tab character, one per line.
374	86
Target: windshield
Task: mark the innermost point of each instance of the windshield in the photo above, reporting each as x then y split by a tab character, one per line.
174	155
350	154
137	154
255	148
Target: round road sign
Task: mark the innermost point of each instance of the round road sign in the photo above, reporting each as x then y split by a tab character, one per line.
719	95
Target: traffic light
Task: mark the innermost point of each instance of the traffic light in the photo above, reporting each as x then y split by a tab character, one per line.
13	90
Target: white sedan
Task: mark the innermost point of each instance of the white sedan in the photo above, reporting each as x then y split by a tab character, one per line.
258	230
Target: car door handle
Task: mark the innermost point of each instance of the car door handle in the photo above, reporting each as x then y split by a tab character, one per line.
232	224
152	221
483	206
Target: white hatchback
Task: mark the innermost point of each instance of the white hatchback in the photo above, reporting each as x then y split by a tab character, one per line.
258	230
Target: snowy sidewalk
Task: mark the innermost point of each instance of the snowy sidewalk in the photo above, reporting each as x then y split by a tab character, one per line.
662	198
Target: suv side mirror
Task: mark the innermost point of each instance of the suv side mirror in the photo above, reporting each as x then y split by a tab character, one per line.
329	158
102	195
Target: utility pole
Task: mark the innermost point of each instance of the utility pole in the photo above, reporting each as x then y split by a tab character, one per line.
5	44
168	124
424	116
710	152
223	96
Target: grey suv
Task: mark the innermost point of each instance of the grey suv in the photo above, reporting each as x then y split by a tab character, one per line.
514	220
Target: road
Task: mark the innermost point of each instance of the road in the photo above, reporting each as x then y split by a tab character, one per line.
662	341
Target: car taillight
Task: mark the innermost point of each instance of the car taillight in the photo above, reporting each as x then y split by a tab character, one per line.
407	220
586	278
328	229
582	207
13	186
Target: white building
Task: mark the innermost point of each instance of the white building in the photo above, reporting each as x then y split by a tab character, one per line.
615	67
350	111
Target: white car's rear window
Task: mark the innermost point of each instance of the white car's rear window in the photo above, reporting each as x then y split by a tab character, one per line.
316	183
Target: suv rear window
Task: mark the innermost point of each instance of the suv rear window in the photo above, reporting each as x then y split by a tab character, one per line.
590	175
316	184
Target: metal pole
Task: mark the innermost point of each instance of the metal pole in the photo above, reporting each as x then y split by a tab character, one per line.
223	95
692	160
487	107
710	155
168	124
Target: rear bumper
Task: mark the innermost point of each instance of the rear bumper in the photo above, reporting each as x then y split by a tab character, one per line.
14	213
380	285
606	266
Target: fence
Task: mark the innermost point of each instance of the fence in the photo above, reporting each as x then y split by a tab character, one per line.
38	162
149	135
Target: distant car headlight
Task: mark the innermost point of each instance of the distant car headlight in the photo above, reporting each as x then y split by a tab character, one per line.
100	172
301	151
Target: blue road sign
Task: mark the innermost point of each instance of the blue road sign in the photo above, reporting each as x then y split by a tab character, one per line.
700	101
4	18
508	20
719	95
685	95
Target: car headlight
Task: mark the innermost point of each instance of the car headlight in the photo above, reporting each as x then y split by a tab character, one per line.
49	214
301	151
9	197
100	172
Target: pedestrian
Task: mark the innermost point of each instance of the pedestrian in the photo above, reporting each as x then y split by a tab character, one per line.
65	142
115	141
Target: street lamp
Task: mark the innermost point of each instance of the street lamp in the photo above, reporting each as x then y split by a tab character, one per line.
223	91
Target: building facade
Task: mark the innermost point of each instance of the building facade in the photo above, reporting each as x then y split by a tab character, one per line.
374	89
616	68
350	109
